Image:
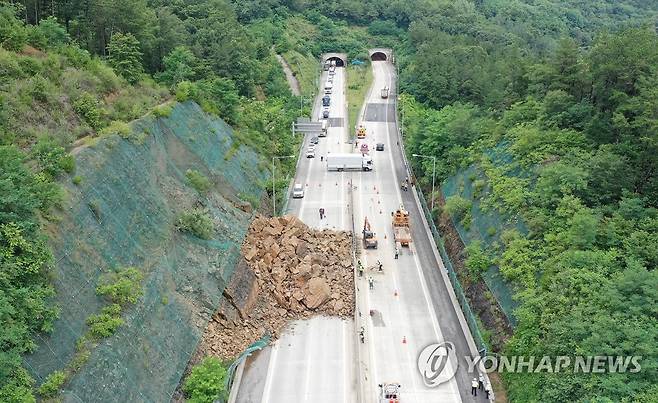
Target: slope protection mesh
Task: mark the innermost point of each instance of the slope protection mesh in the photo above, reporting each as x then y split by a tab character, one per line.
462	184
124	213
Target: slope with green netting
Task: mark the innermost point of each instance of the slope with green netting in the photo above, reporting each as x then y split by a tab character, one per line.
125	211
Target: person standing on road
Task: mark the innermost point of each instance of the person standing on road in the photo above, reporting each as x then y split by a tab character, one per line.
481	382
487	389
371	283
321	213
397	252
360	267
474	387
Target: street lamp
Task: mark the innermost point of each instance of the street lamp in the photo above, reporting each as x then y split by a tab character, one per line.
273	181
433	175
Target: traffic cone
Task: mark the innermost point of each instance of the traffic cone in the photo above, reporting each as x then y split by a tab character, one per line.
404	339
395	294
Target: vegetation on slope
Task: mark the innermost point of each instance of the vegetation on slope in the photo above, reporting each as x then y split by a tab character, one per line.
581	129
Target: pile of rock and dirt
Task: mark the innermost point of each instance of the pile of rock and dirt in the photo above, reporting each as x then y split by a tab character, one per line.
295	272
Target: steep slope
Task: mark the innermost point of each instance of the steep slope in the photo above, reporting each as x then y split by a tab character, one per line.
126	212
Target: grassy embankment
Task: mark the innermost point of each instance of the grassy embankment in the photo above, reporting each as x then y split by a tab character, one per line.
359	80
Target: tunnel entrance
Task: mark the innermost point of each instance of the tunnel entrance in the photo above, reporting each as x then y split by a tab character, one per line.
378	57
339	62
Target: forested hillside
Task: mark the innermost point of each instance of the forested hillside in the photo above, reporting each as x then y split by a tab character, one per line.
567	90
573	114
73	73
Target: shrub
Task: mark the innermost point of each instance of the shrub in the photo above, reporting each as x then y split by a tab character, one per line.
162	111
117	127
196	222
52	384
491	231
77	180
457	206
206	382
122	287
185	90
478	187
51	158
477	260
105	323
87	108
198	180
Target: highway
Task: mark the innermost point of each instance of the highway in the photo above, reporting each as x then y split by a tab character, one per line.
409	307
313	361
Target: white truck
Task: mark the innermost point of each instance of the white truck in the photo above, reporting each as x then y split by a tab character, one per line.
349	162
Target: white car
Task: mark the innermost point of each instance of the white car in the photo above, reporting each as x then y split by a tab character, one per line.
298	191
310	153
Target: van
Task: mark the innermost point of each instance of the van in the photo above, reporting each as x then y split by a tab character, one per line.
323	133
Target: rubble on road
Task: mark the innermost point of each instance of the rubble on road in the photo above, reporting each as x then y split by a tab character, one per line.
299	272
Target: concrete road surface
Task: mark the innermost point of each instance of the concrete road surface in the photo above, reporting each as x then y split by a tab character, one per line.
313	361
410	301
321	360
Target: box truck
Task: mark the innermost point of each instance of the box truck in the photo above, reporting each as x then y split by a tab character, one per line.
349	162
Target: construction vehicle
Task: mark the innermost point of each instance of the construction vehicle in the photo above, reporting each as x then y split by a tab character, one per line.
389	392
384	92
401	230
369	237
361	132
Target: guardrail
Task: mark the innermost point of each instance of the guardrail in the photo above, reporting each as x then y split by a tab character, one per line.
440	244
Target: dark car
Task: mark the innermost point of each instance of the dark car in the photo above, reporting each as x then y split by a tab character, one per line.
315	140
325	113
380	147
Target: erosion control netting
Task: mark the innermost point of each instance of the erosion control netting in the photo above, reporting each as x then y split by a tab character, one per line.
486	226
124	213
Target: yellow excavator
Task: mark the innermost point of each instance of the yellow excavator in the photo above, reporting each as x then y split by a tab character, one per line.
369	237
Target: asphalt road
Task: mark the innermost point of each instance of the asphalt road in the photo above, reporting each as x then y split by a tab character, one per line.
321	360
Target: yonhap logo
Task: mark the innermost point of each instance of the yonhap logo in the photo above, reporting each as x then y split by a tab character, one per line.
437	363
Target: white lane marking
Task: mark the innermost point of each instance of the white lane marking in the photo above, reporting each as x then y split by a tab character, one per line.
267	390
434	320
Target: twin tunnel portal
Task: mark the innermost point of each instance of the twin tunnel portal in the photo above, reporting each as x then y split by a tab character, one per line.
376	55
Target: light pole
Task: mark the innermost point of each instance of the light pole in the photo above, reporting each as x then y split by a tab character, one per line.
274	182
433	175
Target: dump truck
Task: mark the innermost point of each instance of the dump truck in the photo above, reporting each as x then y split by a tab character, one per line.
401	230
389	393
361	132
384	92
349	162
369	237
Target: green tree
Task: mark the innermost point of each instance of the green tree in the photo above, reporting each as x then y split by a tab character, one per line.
179	65
125	57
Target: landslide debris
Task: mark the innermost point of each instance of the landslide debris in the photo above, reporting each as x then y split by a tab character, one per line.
298	271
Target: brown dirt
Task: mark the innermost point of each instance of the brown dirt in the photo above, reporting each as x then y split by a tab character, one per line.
298	272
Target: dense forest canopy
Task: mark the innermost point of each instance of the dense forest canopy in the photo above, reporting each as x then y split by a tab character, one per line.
567	88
